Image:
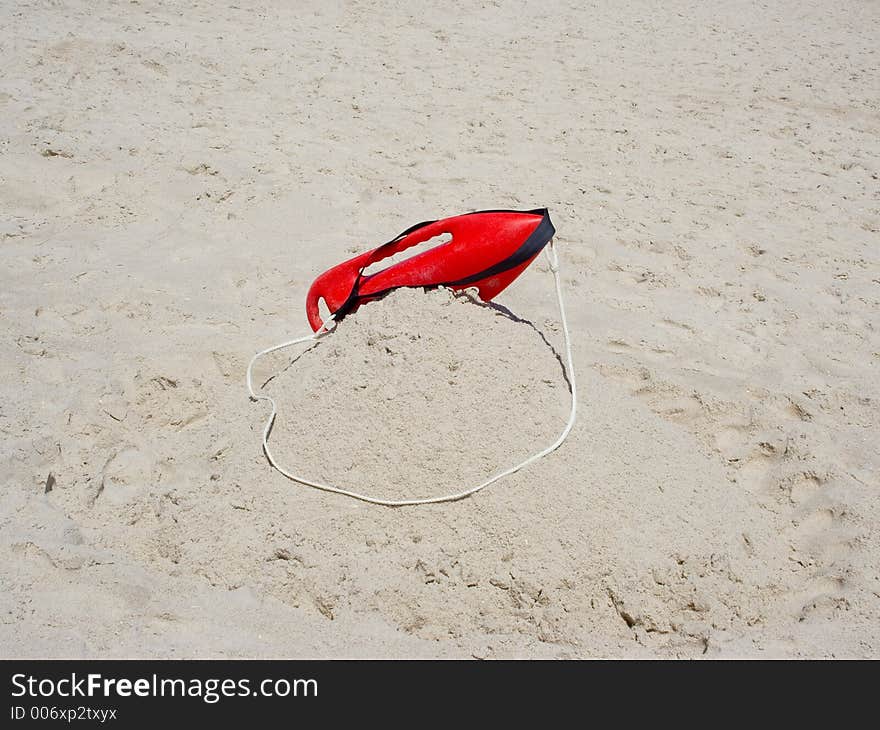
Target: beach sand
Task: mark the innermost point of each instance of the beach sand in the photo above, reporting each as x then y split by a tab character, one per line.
174	175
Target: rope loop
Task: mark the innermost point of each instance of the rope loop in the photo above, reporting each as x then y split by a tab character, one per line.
553	260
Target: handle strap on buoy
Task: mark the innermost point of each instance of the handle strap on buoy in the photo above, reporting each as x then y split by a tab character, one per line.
330	324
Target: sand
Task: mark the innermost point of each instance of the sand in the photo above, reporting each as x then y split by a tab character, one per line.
173	176
406	400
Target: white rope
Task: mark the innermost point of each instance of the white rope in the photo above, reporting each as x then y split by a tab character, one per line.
553	261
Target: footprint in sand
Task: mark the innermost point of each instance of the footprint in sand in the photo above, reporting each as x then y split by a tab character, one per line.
126	477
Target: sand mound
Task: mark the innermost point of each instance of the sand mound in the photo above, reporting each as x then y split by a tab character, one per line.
419	394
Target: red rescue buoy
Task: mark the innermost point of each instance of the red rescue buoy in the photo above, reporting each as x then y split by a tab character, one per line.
488	250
